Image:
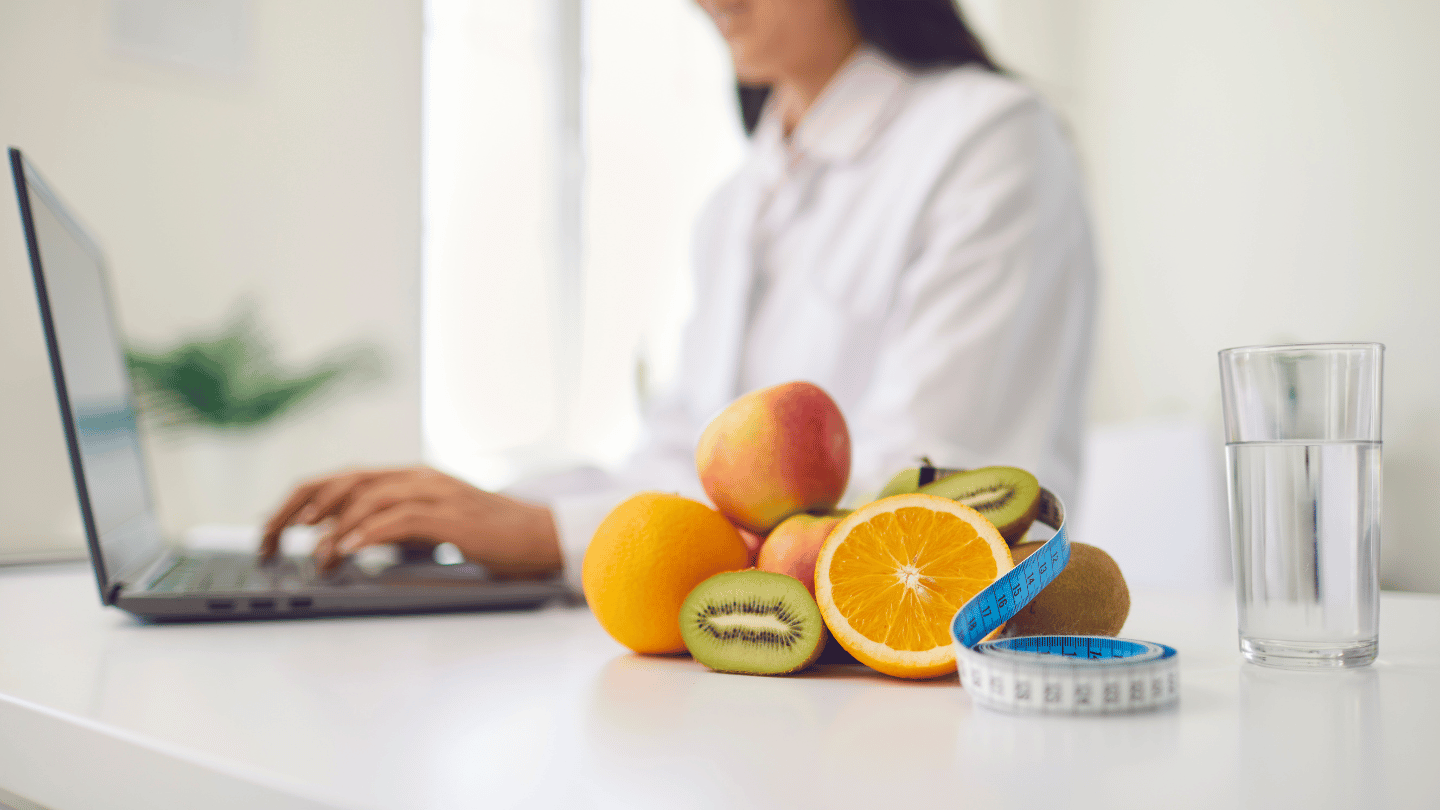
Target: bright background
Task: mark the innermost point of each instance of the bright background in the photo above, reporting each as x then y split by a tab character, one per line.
221	151
1259	171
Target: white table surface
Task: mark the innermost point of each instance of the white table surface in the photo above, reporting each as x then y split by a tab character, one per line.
541	709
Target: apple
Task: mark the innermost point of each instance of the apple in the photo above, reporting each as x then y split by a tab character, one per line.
793	545
773	453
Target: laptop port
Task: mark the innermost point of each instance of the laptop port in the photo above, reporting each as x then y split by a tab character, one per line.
262	604
301	603
220	604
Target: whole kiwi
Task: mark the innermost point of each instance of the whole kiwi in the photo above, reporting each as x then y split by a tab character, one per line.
1089	598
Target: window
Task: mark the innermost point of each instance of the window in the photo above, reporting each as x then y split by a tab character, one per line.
568	145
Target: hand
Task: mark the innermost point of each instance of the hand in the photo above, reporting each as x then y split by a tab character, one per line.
511	538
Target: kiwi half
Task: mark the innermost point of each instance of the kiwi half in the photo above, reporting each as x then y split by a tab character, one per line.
752	622
1008	497
1088	598
912	479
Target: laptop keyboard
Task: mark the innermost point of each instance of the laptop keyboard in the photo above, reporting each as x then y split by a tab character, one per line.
243	573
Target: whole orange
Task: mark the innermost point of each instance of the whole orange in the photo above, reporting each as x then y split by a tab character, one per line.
646	557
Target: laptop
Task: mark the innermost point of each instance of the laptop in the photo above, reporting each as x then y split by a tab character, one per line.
135	568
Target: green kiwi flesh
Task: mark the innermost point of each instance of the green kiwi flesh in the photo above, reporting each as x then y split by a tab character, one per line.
752	622
1008	497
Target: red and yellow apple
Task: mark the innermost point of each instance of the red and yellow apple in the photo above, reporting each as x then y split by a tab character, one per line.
773	453
793	546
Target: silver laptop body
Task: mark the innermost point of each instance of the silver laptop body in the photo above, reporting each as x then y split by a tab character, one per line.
135	568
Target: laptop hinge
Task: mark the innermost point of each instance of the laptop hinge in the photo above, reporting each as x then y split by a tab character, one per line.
114	593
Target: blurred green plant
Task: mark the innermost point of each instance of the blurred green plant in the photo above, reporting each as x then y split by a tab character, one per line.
232	381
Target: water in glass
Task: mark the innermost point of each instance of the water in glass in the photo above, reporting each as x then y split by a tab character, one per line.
1306	523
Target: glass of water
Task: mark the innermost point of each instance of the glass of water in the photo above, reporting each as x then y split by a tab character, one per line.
1302	448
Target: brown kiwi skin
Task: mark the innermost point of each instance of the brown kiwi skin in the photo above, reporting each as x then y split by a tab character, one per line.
1088	598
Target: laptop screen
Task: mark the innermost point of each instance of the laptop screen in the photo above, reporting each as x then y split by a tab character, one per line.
91	381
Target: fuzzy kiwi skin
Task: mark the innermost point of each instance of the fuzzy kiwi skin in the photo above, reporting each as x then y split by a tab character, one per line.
1089	598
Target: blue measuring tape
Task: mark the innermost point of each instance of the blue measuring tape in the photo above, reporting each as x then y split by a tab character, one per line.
1054	674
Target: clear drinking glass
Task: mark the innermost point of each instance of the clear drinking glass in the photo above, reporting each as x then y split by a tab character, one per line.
1302	449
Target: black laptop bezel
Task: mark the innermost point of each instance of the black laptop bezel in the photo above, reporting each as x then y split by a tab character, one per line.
27	176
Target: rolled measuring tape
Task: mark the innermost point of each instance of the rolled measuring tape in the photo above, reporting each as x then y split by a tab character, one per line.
1054	674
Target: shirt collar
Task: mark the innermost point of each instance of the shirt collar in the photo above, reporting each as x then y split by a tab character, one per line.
847	116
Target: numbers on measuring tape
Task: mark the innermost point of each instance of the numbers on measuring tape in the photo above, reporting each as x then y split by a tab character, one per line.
1118	685
1054	674
1005	597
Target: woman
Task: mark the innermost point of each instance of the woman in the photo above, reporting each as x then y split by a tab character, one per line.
908	232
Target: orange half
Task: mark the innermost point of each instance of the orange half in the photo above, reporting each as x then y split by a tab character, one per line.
892	575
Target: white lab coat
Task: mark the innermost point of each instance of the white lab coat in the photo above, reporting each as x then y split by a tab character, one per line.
919	248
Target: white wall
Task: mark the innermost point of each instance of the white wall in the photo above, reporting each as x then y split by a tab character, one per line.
1261	171
289	174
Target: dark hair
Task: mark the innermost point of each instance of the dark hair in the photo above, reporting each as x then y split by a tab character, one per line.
919	34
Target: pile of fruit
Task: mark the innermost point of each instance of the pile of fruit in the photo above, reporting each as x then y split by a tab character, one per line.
760	585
